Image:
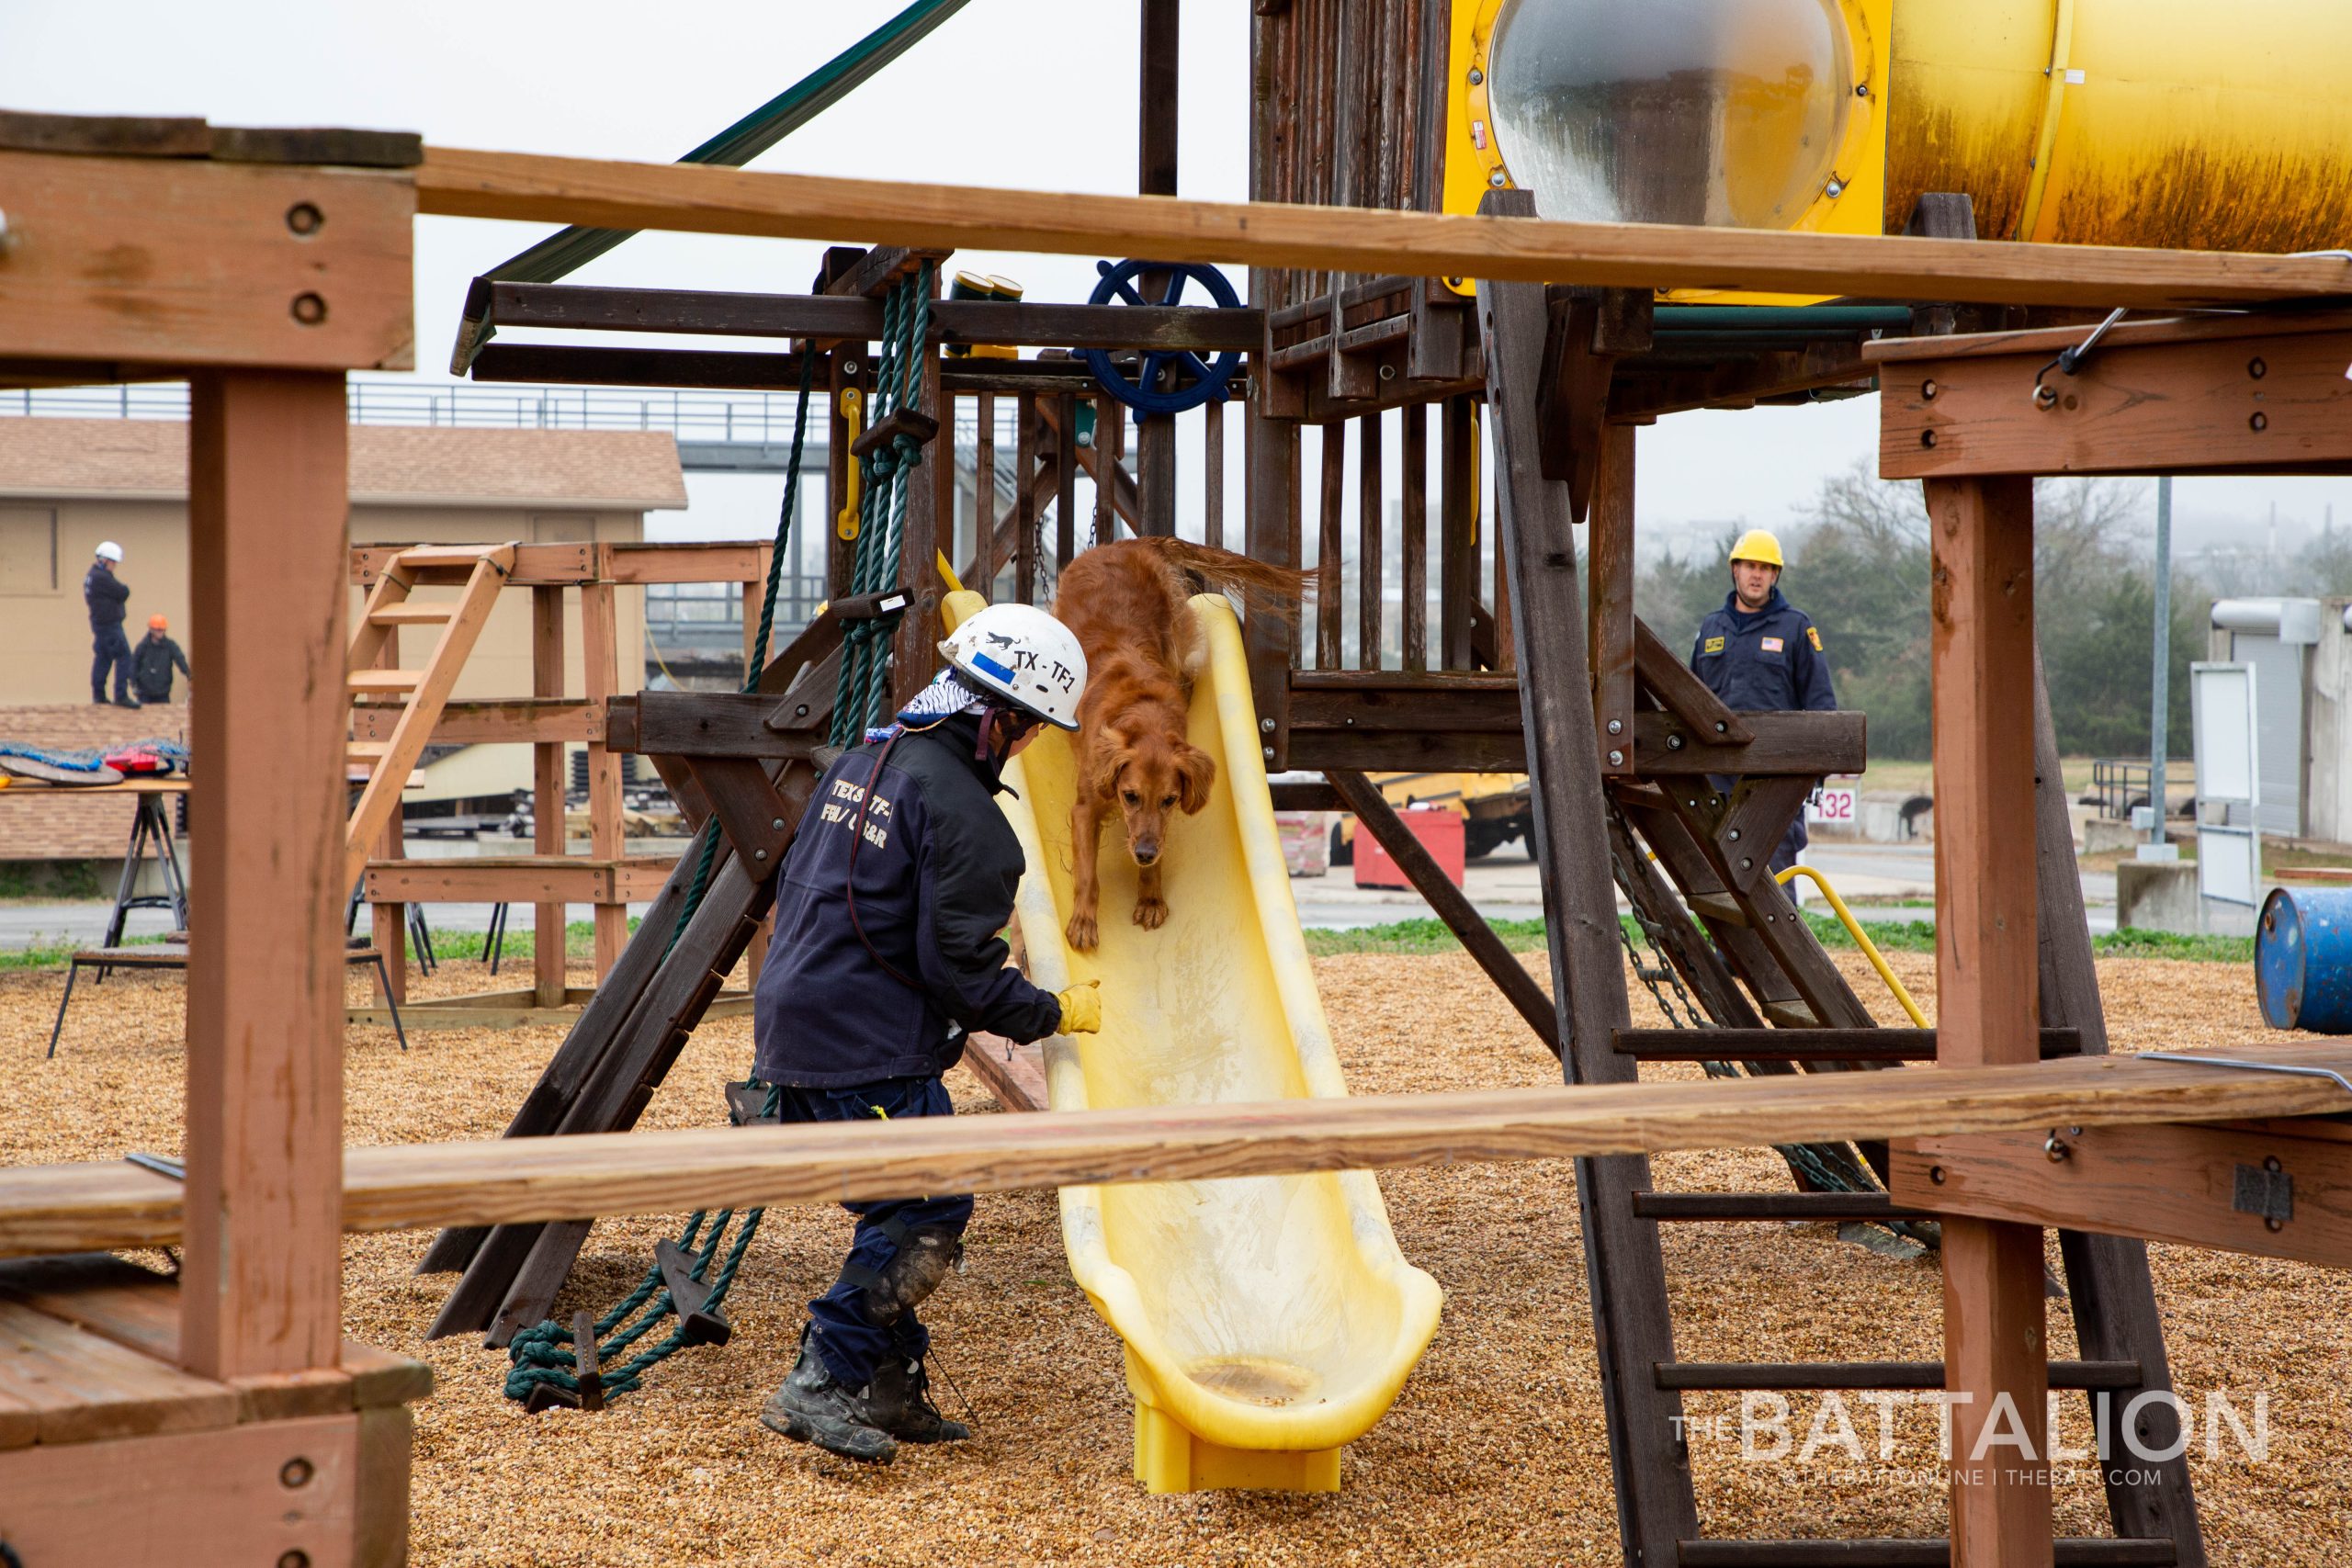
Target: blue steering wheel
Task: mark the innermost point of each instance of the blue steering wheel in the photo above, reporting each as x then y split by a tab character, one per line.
1144	394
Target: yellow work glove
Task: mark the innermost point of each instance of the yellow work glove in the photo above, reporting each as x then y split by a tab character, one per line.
1081	1008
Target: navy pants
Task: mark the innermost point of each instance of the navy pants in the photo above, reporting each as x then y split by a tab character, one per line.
111	651
852	1346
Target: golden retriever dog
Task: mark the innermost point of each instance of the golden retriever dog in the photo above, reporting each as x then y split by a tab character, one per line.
1128	603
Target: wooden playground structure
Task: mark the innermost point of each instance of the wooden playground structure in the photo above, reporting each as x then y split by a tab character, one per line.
219	1415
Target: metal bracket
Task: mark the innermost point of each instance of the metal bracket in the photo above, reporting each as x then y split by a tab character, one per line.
2290	1068
2266	1189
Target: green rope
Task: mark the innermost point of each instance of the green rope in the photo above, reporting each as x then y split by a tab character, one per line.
864	683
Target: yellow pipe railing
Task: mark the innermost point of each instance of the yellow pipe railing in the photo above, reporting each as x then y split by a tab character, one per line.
1862	938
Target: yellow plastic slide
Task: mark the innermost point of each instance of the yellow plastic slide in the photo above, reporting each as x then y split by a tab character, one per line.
1268	1320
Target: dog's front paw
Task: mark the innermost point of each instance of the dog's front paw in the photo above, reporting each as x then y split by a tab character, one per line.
1151	913
1081	932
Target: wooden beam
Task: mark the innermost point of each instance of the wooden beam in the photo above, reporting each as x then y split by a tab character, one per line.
2215	395
1625	1273
297	268
1610	621
1794	743
518	879
548	785
46	1209
462	182
268	521
700	312
522	720
1678	690
1996	1333
2277	1190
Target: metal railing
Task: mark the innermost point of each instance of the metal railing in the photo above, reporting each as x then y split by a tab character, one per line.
749	418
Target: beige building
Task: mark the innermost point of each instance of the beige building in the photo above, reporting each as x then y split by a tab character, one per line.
66	484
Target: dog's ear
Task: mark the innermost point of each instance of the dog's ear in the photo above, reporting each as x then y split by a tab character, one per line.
1109	753
1195	771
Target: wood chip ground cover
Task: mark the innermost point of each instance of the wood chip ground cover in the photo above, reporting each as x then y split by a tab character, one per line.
1494	1453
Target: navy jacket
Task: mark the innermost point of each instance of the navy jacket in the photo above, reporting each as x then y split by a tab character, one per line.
152	660
936	877
104	592
1767	662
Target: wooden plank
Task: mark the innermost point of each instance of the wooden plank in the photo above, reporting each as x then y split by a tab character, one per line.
1014	1074
1379	819
563	565
987	561
1610	622
2108	1288
1702	967
702	200
211	1497
600	657
1463	708
379	1525
520	720
2194	1186
1213	472
268	505
1407	750
637	562
1661	673
1331	606
1458	497
530	1180
123	136
1415	478
1371	524
516	879
1752	1045
1625	1272
2177	396
80	1388
549	939
1994	1330
249	283
1785	743
1024	499
710	312
1270	507
316	144
1065	421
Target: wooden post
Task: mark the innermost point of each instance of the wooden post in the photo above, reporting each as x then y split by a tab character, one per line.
1370	587
984	496
1156	175
547	792
1110	434
1024	501
1609	551
269	540
388	923
1415	482
1065	480
1270	517
1995	1349
600	660
1213	473
1457	528
1624	1269
1330	612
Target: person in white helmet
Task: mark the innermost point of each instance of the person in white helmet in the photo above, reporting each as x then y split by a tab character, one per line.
886	953
105	595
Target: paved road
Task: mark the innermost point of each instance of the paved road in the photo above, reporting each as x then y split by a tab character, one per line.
1503	885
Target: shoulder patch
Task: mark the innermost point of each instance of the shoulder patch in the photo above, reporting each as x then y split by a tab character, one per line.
1813	636
1714	645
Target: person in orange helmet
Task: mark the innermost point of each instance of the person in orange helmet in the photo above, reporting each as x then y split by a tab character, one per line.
151	662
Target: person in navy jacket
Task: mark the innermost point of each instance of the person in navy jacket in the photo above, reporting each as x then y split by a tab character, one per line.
1761	654
887	952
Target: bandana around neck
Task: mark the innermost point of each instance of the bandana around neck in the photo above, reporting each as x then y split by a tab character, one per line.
946	696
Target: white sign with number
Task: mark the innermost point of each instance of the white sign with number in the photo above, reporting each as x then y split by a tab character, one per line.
1833	804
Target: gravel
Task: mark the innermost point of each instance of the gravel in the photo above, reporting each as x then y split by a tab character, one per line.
1494	1454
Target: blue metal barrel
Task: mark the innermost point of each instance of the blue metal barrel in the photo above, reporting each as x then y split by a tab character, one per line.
2303	959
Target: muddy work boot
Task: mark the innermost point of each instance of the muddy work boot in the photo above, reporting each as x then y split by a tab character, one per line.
900	1403
811	1407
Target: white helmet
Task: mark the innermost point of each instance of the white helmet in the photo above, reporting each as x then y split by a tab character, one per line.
1023	655
109	550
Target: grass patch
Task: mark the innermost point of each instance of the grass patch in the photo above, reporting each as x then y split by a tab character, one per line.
579	942
1427	936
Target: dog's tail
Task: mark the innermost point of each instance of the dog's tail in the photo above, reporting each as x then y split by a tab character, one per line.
1274	589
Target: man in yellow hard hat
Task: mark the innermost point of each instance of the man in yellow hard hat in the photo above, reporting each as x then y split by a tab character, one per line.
1761	654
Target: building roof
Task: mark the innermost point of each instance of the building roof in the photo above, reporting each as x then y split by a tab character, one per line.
404	464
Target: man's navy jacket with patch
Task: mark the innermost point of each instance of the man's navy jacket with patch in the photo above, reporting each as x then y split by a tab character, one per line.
104	592
1767	663
936	875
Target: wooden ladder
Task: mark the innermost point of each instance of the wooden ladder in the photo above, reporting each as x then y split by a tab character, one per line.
479	571
1703	865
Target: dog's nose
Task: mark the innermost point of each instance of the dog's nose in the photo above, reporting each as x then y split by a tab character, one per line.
1147	853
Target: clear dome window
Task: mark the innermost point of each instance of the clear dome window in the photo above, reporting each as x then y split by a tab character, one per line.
1722	112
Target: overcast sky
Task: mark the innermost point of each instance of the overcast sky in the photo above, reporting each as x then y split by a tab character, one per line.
1019	93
